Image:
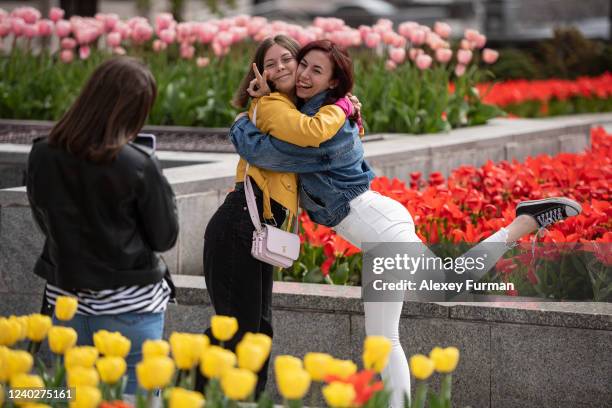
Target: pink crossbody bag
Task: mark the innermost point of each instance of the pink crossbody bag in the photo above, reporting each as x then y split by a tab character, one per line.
270	244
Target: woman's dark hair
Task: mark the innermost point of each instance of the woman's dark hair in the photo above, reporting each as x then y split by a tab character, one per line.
241	97
109	112
342	71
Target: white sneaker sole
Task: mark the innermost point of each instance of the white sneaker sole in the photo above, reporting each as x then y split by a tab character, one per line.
562	200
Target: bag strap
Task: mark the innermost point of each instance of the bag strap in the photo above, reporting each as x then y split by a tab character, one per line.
250	199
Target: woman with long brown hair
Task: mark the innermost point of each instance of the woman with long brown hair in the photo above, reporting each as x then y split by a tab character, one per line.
106	210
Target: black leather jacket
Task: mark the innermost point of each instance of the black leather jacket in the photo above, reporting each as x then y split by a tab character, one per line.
103	223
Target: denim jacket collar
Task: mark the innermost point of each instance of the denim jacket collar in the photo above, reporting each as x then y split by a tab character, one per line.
313	105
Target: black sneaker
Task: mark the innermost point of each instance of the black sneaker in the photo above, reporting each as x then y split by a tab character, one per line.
549	210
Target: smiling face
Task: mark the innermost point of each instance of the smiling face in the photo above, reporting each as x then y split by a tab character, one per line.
280	65
314	75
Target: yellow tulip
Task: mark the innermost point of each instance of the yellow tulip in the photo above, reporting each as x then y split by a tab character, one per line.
4	367
155	348
376	352
292	383
25	381
10	332
78	376
250	355
284	362
38	327
445	360
238	383
155	372
341	368
23	323
1	395
83	356
263	340
223	327
61	339
421	366
112	344
215	361
86	397
65	307
19	362
111	369
339	394
182	398
316	364
187	348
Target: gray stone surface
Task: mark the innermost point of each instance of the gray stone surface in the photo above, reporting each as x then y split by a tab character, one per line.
194	212
550	366
20	303
185	318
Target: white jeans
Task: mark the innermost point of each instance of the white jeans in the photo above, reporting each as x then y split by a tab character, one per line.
376	218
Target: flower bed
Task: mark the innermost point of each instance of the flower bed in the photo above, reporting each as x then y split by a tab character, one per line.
95	376
475	202
402	74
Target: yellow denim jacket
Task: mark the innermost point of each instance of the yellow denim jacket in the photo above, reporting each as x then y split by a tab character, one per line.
278	116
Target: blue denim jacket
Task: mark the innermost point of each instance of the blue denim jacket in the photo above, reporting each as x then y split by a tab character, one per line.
330	175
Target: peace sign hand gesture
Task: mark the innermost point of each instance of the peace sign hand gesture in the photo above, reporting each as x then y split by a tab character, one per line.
259	86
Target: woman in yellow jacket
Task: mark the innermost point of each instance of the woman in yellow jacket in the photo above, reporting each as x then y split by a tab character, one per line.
238	284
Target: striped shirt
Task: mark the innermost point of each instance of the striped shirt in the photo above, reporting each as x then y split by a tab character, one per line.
127	299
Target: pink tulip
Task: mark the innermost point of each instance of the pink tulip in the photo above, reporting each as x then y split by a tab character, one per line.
187	51
62	28
159	45
372	40
119	51
224	38
464	56
202	62
240	33
304	37
163	21
168	35
405	29
142	33
471	34
489	56
241	20
443	55
84	52
413	53
67	56
364	30
397	55
29	14
113	39
17	25
459	70
480	41
30	31
256	24
110	22
423	61
465	45
442	29
390	65
56	14
183	32
417	36
3	14
68	43
5	28
123	29
388	37
217	49
45	28
385	22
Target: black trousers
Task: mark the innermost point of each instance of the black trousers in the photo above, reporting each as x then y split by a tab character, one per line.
239	285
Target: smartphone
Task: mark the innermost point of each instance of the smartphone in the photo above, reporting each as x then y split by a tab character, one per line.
145	139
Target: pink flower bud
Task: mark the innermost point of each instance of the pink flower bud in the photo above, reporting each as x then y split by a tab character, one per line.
471	35
224	38
202	62
62	28
159	45
489	56
30	30
206	32
110	22
119	51
56	14
67	56
405	29
417	37
442	29
390	65
413	53
168	35
187	51
397	55
480	41
465	45
459	70
163	21
217	49
388	37
242	20
5	28
84	52
45	28
183	32
113	39
464	56
30	15
385	22
443	55
372	40
18	26
141	33
423	61
68	43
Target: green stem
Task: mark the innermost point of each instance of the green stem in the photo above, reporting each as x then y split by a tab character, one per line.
420	395
445	389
